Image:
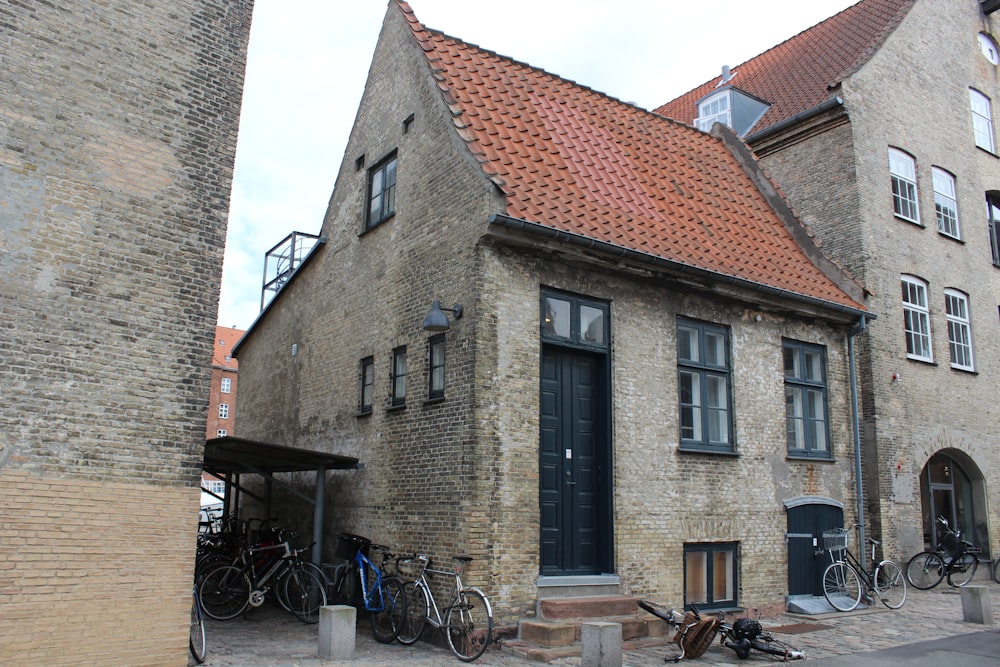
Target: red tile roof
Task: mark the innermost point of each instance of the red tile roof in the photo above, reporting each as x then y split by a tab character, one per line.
805	71
225	339
575	160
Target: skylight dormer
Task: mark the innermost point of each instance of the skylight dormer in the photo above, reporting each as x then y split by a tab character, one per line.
730	106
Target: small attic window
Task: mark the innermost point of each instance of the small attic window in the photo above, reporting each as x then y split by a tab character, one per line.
359	164
407	124
715	109
989	48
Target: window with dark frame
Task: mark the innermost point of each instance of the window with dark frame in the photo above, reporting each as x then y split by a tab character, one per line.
435	365
993	215
367	385
399	377
710	575
381	192
806	426
704	378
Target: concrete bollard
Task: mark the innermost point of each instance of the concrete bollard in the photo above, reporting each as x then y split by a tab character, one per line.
602	644
976	605
337	631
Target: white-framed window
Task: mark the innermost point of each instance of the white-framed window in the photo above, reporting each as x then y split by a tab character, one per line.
221	433
226	385
903	171
945	202
714	109
223	410
916	319
956	308
982	120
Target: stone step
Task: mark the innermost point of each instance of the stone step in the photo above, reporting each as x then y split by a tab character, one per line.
592	607
567	633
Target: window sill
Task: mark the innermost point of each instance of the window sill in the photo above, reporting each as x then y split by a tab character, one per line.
363	413
395	408
987	151
434	401
689	449
919	360
968	371
811	459
915	223
946	235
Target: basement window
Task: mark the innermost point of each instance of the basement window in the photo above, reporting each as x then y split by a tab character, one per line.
710	575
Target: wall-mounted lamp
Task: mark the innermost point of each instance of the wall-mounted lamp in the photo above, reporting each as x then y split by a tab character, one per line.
436	320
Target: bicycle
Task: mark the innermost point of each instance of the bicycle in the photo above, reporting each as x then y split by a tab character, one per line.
996	569
953	557
467	620
228	590
381	595
845	580
695	633
196	640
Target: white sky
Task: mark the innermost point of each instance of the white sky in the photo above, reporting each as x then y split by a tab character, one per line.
309	59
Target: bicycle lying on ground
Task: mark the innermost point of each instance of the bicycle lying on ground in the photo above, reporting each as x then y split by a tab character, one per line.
467	620
954	558
696	632
381	595
300	587
845	581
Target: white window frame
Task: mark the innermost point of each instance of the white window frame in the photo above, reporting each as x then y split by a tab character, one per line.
946	203
223	410
226	385
221	433
903	173
982	120
717	108
916	319
956	308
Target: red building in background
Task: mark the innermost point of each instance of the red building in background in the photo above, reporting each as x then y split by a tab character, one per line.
225	369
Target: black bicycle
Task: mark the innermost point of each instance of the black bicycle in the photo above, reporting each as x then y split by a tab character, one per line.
696	632
954	558
845	581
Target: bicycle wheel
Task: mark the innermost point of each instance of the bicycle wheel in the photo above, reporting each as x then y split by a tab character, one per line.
469	625
280	584
890	584
841	586
925	570
224	592
196	641
390	602
962	570
418	608
996	570
305	593
344	585
766	643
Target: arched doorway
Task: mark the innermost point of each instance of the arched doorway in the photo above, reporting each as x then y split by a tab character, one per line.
952	486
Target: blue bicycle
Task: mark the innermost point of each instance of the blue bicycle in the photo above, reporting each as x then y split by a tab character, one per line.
361	583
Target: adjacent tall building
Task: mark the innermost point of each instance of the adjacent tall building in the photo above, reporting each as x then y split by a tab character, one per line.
118	122
879	125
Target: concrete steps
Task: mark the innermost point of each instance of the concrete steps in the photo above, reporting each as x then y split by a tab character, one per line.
556	632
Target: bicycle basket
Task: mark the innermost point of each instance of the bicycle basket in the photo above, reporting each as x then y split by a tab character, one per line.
835	539
696	634
348	545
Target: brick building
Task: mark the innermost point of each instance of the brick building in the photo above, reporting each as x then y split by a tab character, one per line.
878	125
225	374
600	403
119	123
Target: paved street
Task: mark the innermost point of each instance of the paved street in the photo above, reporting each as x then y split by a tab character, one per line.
269	637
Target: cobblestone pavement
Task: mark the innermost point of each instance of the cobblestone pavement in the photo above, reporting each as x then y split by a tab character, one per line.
269	637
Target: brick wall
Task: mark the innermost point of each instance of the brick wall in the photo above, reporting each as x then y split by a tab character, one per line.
913	95
118	127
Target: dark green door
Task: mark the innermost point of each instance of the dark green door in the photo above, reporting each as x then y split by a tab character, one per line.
806	524
575	517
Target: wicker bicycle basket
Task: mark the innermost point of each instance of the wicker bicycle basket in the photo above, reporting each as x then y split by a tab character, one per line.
835	539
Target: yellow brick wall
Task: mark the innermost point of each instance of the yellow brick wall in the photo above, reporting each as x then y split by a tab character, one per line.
91	571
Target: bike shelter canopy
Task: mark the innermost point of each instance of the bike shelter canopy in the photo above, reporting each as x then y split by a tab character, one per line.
228	458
